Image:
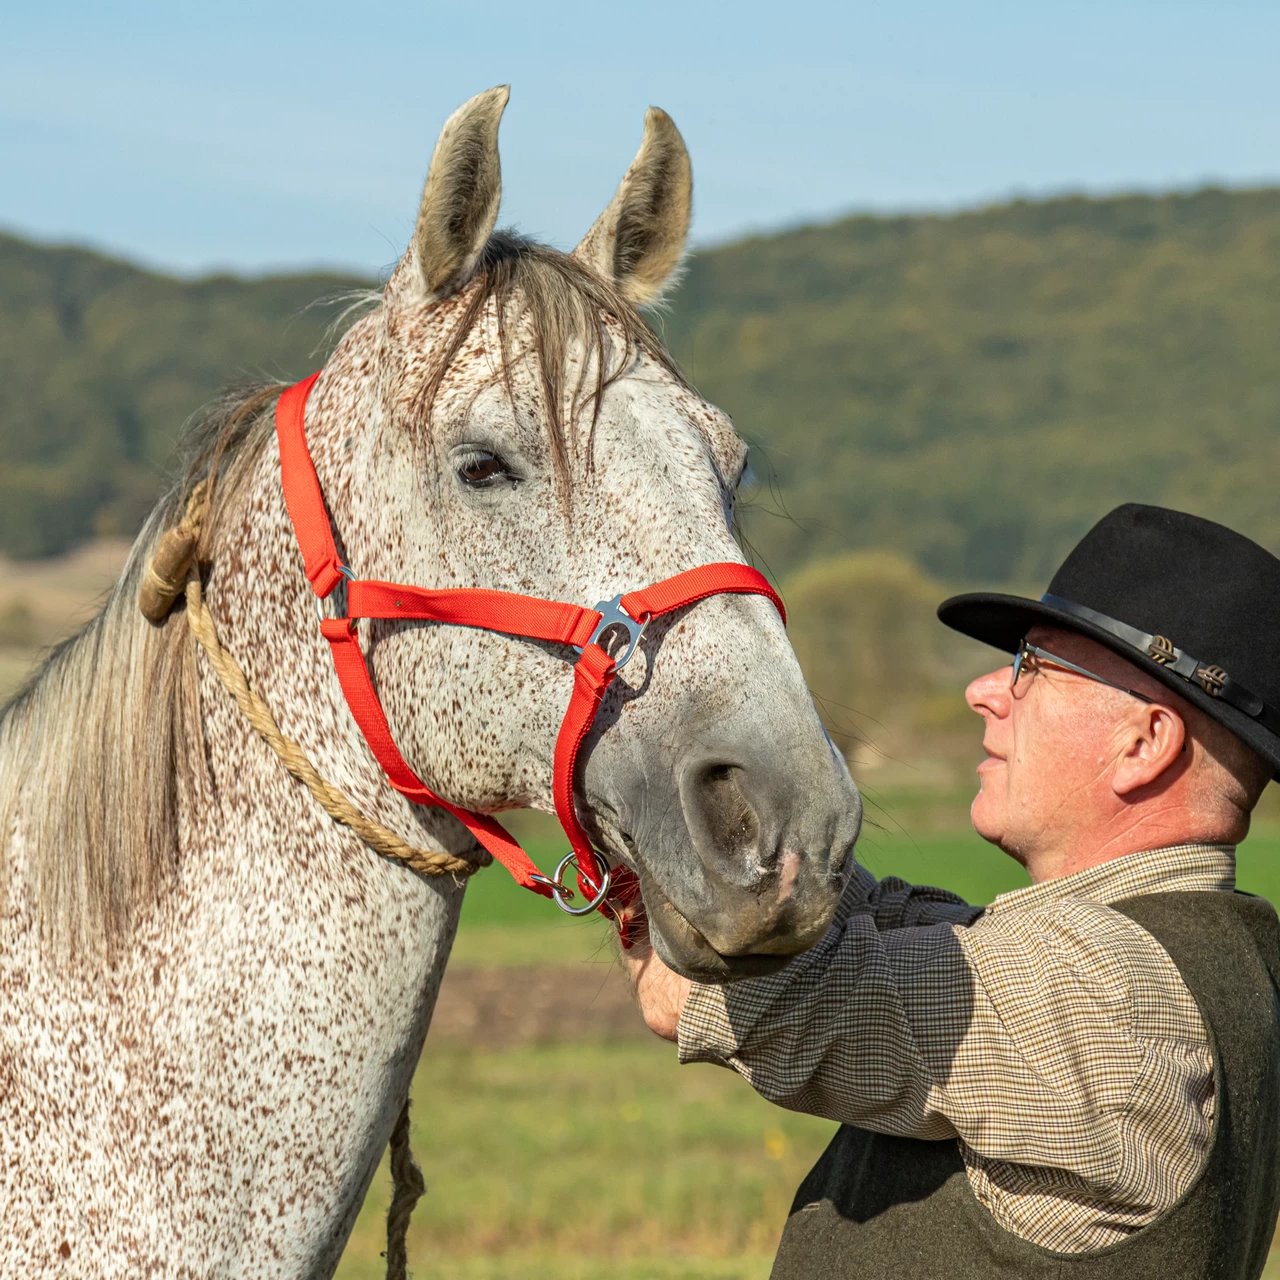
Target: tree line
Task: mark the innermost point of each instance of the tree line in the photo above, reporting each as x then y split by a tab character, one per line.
969	392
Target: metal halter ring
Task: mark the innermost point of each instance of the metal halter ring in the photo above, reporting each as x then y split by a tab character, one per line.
562	893
612	614
346	573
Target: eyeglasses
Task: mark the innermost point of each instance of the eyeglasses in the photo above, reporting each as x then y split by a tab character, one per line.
1026	651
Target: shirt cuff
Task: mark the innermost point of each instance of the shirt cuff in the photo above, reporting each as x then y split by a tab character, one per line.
704	1033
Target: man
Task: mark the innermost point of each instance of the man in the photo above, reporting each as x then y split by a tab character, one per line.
1084	1079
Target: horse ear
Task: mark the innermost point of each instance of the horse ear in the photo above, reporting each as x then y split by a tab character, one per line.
638	241
461	196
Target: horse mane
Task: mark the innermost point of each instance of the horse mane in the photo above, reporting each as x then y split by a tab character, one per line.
103	751
103	746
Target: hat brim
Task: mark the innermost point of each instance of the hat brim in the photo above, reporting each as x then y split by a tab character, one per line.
1003	621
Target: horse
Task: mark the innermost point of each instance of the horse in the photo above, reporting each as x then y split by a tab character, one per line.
212	995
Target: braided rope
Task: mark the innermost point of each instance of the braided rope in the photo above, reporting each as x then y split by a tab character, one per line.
161	586
407	1188
427	862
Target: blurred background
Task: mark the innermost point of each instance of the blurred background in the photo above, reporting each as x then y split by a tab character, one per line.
965	277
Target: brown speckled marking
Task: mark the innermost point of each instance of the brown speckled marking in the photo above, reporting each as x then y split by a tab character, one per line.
213	1100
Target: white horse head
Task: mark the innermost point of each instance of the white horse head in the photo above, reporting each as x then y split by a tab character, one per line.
513	424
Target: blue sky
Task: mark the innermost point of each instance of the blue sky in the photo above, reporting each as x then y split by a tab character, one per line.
267	135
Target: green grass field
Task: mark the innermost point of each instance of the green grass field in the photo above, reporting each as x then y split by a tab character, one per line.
687	1172
593	1160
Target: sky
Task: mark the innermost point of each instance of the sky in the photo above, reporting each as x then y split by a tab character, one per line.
269	136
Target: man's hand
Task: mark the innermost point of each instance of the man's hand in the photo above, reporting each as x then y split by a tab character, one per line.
661	991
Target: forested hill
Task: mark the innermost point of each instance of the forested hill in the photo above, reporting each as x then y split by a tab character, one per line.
101	363
973	390
977	389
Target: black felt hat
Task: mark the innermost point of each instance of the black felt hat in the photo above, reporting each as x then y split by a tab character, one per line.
1189	601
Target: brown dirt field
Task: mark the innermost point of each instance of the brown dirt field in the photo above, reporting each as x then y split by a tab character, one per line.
542	1005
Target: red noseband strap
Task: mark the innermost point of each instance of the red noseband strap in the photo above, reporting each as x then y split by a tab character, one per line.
571	625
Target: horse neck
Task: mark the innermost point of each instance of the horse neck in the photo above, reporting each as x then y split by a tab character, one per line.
333	955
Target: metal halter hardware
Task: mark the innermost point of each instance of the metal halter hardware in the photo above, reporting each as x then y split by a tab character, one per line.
612	614
561	893
350	577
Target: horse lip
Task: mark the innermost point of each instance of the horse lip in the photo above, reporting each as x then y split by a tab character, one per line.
715	966
718	967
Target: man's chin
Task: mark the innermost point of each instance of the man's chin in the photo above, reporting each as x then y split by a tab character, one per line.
984	818
995	832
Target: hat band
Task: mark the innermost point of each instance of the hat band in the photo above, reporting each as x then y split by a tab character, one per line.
1210	679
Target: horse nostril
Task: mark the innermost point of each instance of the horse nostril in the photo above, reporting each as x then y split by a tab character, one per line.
730	822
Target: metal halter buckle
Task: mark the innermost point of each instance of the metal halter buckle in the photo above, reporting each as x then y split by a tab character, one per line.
612	615
561	892
346	573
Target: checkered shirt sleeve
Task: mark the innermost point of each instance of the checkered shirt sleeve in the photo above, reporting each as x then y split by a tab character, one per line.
1050	1034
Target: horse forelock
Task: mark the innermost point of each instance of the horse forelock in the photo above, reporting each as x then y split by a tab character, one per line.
540	312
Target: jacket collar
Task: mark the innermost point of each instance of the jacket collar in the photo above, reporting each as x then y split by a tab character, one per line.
1180	868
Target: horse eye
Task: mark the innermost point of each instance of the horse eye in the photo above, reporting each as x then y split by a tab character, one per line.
481	468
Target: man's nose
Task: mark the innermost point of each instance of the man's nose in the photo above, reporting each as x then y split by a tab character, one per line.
990	694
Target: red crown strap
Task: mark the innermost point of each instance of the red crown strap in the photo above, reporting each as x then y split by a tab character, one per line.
698	584
302	495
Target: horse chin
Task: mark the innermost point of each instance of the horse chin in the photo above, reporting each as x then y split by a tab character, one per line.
684	949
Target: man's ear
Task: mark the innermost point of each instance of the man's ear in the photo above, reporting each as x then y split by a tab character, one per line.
638	241
1153	748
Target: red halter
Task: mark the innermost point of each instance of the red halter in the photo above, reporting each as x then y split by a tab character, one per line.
568	624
